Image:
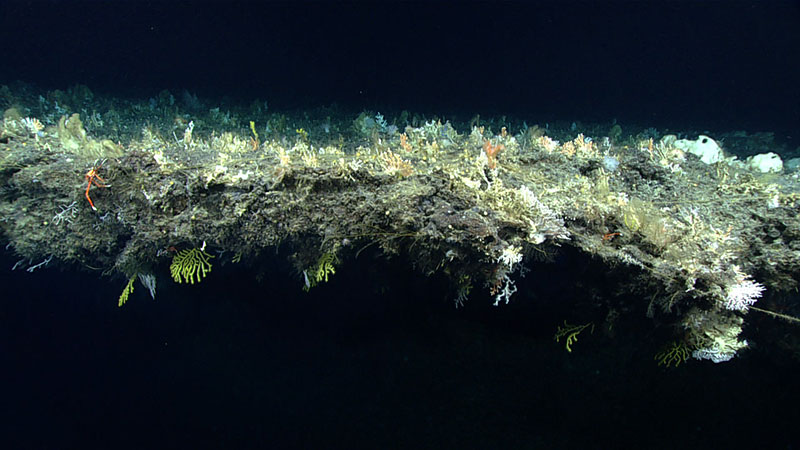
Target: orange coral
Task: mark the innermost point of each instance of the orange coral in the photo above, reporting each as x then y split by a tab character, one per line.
491	152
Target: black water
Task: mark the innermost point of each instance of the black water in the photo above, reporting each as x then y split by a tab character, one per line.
729	65
378	357
364	361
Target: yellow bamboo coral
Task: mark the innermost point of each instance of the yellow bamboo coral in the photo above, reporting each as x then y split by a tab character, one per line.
571	332
320	272
190	264
127	291
674	353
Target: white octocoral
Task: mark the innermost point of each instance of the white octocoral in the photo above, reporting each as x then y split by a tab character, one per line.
511	256
544	223
743	294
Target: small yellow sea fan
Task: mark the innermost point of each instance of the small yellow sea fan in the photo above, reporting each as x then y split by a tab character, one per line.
188	264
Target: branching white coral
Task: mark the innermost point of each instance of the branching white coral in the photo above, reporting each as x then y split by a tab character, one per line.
743	294
511	256
67	213
544	223
714	354
505	293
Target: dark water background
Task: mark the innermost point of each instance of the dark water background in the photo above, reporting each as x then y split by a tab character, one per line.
378	357
365	361
728	65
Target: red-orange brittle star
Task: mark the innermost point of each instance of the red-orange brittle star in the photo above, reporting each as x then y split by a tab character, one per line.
610	236
92	178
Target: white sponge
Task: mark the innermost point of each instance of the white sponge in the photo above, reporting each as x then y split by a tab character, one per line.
765	163
706	148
